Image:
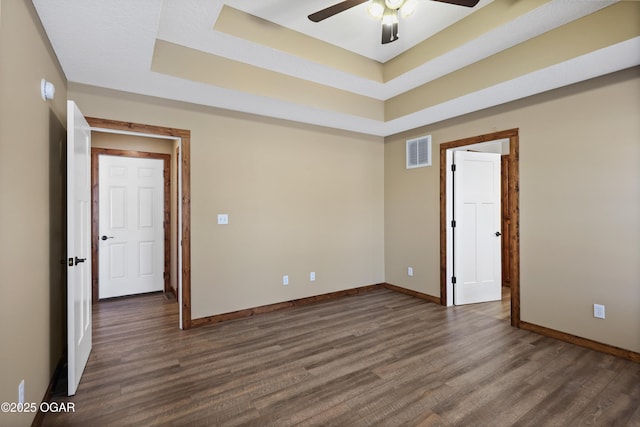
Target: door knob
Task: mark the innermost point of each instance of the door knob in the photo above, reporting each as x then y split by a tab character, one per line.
498	234
79	260
106	237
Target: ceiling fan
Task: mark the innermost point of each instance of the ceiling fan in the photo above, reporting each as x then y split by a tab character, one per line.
385	10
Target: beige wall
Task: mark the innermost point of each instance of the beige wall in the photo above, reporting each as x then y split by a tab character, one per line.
579	206
300	199
304	198
614	24
31	132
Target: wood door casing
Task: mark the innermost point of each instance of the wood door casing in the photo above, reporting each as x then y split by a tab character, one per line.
514	207
506	222
176	265
185	177
95	218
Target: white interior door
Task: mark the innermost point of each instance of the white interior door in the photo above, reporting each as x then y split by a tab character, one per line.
476	212
131	248
78	245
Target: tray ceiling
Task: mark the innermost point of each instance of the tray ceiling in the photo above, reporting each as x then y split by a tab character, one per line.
267	58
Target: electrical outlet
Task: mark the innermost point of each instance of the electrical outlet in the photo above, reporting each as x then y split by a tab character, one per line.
598	311
223	219
312	276
285	280
21	392
410	271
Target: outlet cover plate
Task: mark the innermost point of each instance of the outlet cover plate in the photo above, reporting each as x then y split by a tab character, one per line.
598	311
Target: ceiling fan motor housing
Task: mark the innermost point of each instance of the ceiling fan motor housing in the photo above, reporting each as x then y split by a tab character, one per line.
394	4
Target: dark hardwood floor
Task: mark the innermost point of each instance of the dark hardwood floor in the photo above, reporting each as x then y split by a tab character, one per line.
378	358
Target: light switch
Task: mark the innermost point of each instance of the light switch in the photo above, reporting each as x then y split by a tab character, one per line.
223	219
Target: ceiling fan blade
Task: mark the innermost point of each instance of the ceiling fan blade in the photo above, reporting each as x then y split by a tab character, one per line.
389	33
467	3
334	10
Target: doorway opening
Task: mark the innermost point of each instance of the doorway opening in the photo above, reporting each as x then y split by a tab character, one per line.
510	221
133	187
182	266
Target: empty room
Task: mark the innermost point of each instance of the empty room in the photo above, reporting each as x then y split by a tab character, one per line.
349	213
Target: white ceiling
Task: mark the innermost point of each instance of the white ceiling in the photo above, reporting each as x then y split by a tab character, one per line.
354	29
110	44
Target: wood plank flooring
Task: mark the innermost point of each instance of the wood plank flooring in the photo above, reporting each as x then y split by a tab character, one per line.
379	358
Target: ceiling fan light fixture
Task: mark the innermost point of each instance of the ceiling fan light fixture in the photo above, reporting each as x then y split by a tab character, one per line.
394	4
390	17
376	8
385	10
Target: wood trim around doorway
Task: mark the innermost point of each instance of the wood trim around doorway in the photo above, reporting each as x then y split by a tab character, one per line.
185	138
95	212
513	194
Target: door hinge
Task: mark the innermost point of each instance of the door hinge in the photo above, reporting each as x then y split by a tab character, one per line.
453	168
453	279
453	223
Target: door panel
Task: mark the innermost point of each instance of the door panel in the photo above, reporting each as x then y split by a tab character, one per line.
486	238
146	258
79	339
117	215
145	207
117	261
477	247
131	216
466	244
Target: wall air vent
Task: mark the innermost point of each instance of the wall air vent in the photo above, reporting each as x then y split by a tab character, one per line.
419	152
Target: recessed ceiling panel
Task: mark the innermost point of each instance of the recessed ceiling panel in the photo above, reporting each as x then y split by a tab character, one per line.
449	60
355	29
